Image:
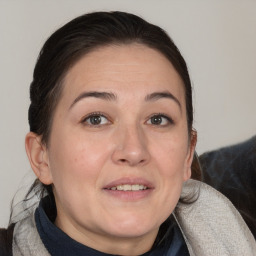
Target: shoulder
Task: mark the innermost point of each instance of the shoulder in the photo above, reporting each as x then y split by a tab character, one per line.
26	239
212	225
6	236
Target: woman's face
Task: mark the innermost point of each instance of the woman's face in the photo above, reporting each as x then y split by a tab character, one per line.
119	148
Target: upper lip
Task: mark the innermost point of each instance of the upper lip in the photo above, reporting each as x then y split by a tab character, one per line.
129	181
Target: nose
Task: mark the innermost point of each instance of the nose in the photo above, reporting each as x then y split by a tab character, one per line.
131	147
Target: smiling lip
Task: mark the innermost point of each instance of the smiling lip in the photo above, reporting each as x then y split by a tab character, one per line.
129	195
129	181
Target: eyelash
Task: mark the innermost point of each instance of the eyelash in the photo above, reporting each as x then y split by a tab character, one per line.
95	114
102	115
161	115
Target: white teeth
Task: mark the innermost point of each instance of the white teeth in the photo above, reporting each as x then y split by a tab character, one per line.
136	187
127	187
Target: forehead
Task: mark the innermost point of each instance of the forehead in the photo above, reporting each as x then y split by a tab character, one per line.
129	67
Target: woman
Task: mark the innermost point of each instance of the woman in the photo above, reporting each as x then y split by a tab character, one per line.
111	140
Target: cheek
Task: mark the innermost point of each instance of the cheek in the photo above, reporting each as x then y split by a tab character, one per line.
170	159
170	154
76	160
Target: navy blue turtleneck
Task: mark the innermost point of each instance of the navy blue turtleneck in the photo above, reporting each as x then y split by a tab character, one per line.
60	244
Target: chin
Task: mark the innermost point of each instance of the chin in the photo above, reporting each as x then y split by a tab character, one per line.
132	227
132	233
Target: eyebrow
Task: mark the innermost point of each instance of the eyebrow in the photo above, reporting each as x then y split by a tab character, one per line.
109	96
159	95
100	95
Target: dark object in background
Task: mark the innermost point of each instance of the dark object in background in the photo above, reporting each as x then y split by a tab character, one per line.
6	236
232	171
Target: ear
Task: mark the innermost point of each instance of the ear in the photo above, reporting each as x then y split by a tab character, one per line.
190	155
38	157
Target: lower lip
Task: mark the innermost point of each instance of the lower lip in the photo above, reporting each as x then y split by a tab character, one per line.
129	195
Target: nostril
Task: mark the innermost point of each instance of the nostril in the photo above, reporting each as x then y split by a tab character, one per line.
130	162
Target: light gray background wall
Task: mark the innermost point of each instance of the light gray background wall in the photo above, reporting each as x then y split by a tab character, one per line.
217	38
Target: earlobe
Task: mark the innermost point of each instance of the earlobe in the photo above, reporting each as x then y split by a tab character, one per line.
190	156
38	157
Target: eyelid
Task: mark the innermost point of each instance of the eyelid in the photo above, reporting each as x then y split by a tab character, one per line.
97	113
169	119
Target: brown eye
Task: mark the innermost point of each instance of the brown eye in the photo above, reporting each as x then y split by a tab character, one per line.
156	120
96	119
159	120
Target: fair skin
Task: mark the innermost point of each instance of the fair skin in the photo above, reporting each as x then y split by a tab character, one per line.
119	149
